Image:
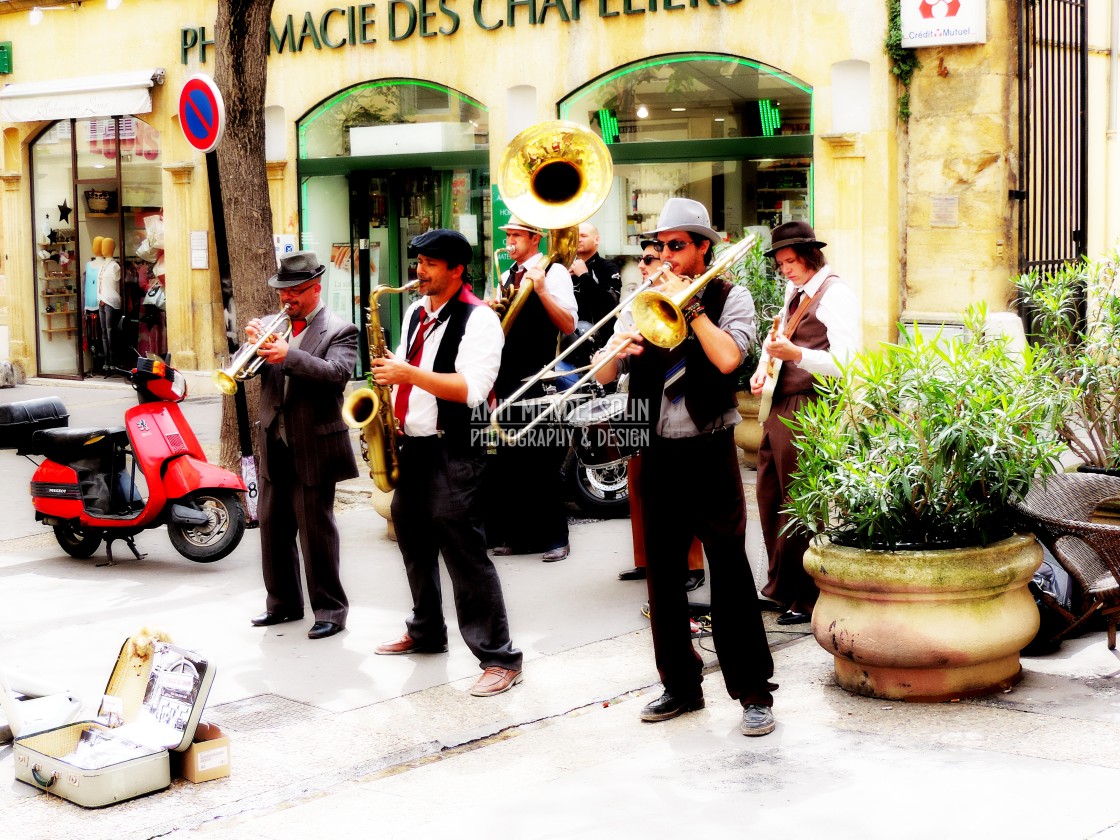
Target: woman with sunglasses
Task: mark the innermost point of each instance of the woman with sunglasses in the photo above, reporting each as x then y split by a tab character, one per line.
648	263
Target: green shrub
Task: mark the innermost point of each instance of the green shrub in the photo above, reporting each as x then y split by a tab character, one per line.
923	442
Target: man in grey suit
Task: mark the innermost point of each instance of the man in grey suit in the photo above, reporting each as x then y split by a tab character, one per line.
305	449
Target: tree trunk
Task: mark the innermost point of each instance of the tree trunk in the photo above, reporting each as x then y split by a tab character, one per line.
241	36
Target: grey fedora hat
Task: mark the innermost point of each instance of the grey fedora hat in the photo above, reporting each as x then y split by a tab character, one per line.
792	233
684	214
296	268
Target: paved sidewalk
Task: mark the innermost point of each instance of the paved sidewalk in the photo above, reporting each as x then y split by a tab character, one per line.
329	739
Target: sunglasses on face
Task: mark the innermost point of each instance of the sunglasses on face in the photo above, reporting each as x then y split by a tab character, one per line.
648	259
675	245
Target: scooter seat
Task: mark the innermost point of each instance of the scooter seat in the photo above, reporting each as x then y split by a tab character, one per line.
67	446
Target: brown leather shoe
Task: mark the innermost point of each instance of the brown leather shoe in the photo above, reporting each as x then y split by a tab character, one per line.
554	554
495	680
406	644
501	551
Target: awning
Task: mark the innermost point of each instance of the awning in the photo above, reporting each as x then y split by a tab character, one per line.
115	94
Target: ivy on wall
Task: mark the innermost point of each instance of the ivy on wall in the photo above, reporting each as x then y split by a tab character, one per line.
904	61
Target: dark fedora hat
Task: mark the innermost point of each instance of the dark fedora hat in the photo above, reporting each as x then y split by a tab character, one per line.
442	244
296	268
792	233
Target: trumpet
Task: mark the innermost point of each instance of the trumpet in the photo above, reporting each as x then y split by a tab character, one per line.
245	364
657	317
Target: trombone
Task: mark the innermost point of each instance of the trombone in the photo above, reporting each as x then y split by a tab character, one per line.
657	316
246	363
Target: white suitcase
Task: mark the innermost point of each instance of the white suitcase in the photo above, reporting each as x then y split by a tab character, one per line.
159	701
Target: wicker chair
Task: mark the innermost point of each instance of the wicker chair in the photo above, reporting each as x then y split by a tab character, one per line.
1060	511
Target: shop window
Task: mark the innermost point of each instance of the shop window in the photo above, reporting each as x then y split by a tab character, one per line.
393	115
692	97
727	131
97	204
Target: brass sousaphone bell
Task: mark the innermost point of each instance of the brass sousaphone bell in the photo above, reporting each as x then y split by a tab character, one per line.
553	175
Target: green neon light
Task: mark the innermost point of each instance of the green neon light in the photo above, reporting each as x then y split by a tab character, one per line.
608	124
770	117
315	114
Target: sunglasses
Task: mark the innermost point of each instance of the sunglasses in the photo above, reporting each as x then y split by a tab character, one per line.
648	259
675	245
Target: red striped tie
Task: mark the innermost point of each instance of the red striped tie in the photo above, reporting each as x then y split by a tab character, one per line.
400	408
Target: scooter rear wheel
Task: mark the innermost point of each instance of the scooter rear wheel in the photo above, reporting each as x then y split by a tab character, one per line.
76	540
216	539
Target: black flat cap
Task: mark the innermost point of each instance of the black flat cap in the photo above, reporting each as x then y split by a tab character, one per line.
442	244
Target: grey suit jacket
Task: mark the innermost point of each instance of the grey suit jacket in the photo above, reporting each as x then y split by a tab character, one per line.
317	373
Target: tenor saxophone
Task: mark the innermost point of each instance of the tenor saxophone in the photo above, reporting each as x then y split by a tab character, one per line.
371	409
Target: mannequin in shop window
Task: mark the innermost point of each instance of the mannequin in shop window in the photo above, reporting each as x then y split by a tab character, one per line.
109	296
91	303
153	317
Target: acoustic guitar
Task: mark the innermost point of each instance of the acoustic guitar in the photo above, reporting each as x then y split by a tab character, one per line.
772	366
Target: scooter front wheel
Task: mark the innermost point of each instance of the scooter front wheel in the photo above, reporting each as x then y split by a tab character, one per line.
76	540
219	536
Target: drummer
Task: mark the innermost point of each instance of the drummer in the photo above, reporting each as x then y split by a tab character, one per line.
648	263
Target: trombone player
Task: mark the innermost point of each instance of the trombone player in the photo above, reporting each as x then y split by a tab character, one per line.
685	398
525	505
305	448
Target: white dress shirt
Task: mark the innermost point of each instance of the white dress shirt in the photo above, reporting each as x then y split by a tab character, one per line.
557	280
838	310
480	354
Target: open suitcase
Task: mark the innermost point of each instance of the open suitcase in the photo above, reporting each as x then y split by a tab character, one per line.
152	705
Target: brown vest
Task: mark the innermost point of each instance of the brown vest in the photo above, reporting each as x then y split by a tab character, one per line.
810	334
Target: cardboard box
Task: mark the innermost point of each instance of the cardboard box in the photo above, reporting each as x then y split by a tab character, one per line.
94	763
207	758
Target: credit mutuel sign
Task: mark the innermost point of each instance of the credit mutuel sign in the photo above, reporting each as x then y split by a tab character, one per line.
359	25
934	23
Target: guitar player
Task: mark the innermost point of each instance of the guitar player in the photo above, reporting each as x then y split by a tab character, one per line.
819	326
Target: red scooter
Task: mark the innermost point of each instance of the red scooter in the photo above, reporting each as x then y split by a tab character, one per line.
93	482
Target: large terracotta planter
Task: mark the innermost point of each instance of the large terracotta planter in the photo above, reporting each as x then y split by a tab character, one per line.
748	432
383	504
925	625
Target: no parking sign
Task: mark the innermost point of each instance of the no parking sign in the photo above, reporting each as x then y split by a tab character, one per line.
202	112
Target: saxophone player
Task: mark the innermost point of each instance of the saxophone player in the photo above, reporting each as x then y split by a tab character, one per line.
305	449
444	369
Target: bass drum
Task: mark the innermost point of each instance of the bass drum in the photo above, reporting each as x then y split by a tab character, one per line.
599	436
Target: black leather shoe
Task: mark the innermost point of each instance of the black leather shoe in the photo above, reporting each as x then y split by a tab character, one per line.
695	580
322	629
667	706
636	573
267	619
791	617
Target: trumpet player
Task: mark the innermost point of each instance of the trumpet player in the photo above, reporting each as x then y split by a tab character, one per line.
687	398
305	449
444	368
525	505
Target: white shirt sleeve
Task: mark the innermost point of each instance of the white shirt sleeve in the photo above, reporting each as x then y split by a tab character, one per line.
480	353
558	281
839	312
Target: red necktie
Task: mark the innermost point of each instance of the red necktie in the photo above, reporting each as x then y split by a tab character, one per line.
298	326
400	409
515	276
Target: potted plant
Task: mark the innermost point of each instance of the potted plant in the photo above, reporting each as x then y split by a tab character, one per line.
758	275
905	469
1075	321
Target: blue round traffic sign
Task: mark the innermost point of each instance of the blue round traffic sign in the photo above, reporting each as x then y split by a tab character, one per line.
202	112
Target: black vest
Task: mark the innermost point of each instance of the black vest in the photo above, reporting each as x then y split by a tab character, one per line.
708	393
454	418
530	345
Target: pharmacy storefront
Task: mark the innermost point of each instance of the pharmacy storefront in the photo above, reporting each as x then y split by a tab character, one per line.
384	120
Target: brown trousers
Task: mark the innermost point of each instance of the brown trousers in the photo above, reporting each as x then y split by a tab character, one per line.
788	583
